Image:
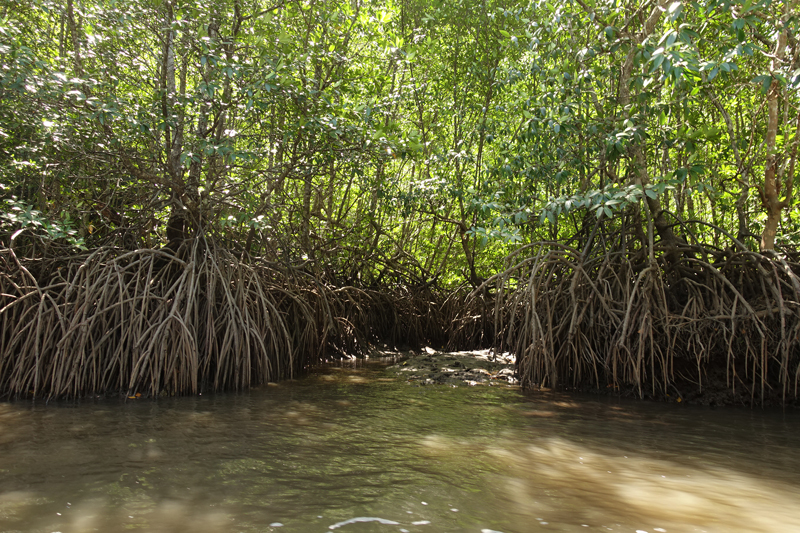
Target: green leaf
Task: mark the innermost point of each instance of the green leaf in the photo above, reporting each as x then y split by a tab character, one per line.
765	85
674	11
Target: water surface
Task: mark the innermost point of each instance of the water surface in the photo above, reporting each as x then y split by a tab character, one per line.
351	443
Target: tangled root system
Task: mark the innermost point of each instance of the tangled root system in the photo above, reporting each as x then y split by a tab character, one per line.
179	322
199	319
149	322
616	319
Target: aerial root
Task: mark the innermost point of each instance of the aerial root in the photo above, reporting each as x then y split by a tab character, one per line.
605	320
148	322
199	319
161	322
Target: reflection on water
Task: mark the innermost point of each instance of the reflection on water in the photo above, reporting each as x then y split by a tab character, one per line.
352	451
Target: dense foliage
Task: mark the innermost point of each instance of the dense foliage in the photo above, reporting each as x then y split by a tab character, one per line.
405	144
412	141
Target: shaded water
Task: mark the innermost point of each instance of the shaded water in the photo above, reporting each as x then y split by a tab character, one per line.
348	444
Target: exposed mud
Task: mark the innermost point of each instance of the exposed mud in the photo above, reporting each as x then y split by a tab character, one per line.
484	367
471	368
715	392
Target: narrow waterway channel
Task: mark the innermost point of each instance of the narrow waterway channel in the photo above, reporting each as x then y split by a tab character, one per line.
344	447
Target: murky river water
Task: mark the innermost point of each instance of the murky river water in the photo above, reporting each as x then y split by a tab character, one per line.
344	444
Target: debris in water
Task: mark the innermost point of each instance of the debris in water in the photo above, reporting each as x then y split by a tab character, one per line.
276	524
364	519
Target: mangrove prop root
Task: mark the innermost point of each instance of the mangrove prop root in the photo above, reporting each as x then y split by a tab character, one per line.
605	320
198	319
145	321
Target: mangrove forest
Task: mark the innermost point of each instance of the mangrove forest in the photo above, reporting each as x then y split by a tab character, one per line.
208	195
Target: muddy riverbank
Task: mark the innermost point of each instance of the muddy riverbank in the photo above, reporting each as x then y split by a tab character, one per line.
429	367
470	368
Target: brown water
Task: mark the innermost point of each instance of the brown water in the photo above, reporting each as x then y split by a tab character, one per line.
349	444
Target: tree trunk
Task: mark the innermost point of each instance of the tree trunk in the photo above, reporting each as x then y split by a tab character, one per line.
76	43
636	150
771	192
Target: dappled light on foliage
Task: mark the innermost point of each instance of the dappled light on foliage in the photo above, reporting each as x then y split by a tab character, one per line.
205	195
